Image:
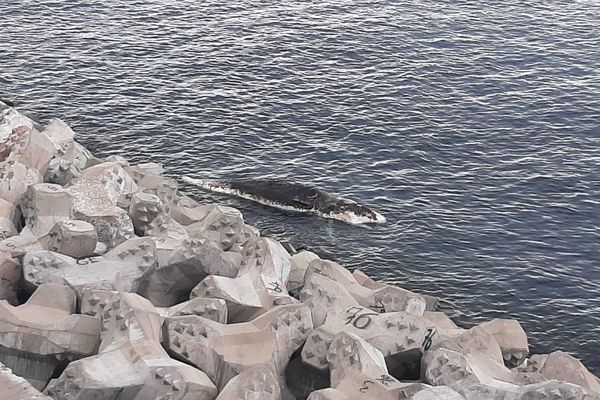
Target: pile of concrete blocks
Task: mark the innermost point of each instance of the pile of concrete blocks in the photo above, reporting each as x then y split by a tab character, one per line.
114	286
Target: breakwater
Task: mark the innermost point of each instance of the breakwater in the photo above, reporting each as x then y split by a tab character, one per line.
115	286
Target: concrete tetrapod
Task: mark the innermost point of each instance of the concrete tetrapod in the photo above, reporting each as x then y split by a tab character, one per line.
560	366
148	177
363	279
26	155
358	371
38	337
15	177
8	213
143	209
131	363
267	258
213	309
299	265
445	326
45	204
34	149
399	335
126	267
256	383
164	188
224	351
183	262
16	388
241	296
10	120
221	225
472	364
555	390
64	167
10	274
511	338
96	194
384	298
470	358
260	284
69	237
168	234
139	171
72	238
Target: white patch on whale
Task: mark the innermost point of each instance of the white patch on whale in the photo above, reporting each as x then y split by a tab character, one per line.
344	216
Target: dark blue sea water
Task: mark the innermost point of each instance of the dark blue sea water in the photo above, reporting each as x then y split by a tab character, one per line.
474	126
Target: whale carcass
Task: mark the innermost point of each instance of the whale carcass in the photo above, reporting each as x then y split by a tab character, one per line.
293	196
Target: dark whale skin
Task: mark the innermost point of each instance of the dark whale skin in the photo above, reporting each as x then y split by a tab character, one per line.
292	196
299	196
286	193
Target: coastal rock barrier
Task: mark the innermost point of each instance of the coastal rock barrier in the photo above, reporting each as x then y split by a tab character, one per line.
116	287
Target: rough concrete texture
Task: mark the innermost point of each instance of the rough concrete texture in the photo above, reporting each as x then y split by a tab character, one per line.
183	261
180	300
298	266
223	351
69	237
260	284
258	382
95	196
560	366
380	299
511	338
64	167
213	309
126	267
16	388
10	274
131	363
359	371
38	336
7	219
222	226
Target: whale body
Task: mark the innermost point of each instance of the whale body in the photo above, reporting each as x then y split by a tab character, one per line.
294	197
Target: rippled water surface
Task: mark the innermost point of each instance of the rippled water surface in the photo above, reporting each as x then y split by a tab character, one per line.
474	126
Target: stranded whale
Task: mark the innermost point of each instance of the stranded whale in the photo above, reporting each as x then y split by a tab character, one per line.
293	196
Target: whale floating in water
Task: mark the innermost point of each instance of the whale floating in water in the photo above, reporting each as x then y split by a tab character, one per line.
293	197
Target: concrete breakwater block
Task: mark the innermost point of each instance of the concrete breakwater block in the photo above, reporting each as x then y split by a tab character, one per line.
259	382
69	237
36	338
358	370
96	194
223	351
131	363
16	388
126	267
114	286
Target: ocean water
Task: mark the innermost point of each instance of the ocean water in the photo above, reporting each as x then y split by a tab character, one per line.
473	126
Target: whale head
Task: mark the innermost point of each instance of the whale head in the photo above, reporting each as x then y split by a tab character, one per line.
350	211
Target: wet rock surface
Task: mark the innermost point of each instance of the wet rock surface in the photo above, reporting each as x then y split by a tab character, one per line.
115	286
